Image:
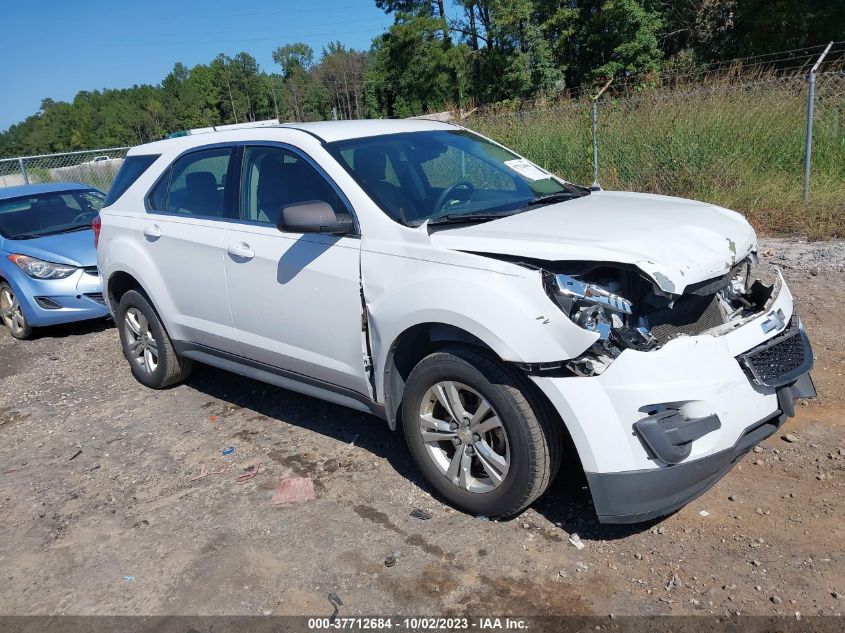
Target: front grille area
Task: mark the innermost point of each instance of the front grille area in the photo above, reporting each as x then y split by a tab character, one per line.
781	359
691	315
96	296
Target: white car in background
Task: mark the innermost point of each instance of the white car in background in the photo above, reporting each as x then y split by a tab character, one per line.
494	311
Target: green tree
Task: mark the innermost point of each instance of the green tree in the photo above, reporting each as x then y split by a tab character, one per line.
425	8
412	71
341	73
518	37
615	37
305	100
719	30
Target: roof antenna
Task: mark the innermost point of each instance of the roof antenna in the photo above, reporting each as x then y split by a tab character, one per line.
594	116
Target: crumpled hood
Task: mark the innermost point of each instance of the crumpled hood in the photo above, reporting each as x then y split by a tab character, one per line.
75	248
674	241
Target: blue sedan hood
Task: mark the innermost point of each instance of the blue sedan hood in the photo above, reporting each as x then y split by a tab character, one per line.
75	248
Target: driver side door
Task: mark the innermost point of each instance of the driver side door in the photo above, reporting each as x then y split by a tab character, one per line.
295	298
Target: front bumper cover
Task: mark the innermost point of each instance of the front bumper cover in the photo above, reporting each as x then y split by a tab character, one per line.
635	496
47	302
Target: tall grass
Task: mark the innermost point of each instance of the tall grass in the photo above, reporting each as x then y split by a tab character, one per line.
734	140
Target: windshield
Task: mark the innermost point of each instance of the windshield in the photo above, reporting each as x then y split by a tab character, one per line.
446	176
41	214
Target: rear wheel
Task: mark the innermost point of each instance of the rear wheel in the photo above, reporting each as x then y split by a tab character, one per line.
146	345
477	431
12	314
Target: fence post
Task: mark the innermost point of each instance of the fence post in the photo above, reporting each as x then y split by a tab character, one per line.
594	119
23	171
808	143
595	184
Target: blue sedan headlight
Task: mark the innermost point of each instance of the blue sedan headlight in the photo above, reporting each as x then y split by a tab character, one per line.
39	269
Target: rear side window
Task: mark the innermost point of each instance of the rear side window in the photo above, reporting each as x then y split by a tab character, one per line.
194	185
129	172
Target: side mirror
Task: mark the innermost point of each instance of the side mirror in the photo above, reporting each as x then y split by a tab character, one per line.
315	216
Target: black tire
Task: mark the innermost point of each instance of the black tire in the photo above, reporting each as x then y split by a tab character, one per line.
11	314
170	368
533	436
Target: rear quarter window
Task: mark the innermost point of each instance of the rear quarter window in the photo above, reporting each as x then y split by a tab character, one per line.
130	171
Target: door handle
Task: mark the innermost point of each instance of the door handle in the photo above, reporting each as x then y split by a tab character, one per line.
153	232
241	251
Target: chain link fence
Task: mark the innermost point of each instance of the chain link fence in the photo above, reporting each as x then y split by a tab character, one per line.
92	167
735	138
828	152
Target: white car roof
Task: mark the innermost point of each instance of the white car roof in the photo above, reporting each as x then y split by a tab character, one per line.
326	131
330	131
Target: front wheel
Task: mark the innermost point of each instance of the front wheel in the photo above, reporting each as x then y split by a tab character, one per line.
12	313
477	431
146	345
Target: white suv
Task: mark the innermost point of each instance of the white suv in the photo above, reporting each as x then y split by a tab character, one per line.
494	311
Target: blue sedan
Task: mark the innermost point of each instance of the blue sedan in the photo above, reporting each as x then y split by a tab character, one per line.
48	259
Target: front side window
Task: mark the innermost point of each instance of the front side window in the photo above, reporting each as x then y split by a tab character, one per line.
195	185
273	178
446	175
37	215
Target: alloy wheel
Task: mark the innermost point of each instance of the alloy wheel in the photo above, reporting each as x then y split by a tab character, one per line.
464	436
10	310
141	344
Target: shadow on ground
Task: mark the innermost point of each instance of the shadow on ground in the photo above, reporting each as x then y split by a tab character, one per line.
331	420
80	328
566	503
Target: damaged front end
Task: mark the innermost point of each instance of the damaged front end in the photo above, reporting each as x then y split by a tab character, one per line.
628	310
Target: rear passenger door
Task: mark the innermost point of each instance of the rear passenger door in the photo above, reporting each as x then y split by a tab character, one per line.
295	297
182	235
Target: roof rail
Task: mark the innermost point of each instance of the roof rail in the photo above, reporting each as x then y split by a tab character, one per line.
220	128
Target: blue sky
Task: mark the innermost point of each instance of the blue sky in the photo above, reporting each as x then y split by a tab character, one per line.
56	48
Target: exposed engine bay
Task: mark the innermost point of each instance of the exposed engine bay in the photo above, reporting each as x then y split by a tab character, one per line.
629	311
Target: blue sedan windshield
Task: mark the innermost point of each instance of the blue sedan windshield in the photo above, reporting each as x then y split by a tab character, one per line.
41	214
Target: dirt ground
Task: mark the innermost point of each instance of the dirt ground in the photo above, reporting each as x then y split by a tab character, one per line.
100	514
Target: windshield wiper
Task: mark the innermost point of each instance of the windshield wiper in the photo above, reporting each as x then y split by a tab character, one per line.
552	198
560	196
33	236
462	218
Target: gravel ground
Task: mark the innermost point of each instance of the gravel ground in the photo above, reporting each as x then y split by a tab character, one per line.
100	512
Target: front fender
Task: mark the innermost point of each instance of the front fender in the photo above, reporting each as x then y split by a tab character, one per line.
509	311
13	277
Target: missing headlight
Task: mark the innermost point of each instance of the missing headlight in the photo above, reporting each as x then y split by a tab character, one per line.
627	310
600	309
572	290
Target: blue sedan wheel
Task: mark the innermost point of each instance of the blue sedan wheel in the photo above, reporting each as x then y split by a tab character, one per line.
11	313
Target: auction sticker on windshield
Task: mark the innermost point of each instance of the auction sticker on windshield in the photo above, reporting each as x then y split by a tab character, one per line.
527	169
